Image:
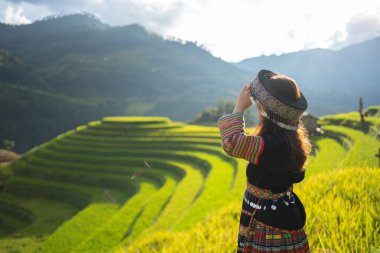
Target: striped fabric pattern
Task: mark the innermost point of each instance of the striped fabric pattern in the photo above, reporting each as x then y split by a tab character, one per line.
264	238
255	236
264	193
235	142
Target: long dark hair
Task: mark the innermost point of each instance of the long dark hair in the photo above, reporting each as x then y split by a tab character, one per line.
297	141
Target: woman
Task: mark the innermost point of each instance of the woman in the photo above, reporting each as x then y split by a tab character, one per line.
272	217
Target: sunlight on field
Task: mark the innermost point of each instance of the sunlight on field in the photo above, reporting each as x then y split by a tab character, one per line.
147	184
329	156
342	213
137	120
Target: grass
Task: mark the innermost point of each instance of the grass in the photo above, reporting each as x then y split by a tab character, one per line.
136	120
118	169
122	183
216	233
152	210
136	141
24	244
78	196
218	183
135	128
30	238
110	149
77	229
342	207
329	154
363	150
45	221
345	187
170	177
112	160
216	179
352	120
14	217
174	203
109	234
182	198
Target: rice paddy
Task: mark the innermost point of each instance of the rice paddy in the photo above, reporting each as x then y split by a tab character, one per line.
147	184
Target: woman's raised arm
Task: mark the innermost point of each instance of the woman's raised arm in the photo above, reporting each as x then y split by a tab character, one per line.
235	142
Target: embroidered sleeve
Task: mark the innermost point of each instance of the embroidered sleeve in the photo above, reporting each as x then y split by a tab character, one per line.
235	142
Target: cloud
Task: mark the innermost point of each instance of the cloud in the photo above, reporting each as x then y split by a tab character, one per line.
361	27
26	12
154	15
232	31
15	16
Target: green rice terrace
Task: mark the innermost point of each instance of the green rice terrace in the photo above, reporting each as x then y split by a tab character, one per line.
147	184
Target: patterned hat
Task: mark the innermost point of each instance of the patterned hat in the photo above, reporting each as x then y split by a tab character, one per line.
281	110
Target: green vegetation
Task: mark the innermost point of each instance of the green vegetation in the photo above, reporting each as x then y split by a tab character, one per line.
109	234
364	146
342	208
61	72
210	115
373	111
333	188
352	120
8	144
147	184
127	180
328	156
74	231
105	71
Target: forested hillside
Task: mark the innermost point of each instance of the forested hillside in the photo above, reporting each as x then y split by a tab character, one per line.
60	72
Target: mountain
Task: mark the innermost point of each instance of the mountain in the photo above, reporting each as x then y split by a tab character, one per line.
332	81
61	72
74	69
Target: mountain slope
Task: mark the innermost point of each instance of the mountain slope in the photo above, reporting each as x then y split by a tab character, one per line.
73	69
119	70
331	80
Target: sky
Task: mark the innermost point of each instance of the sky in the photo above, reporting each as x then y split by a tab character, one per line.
231	30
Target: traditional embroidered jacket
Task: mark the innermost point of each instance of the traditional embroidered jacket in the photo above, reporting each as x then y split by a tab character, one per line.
268	168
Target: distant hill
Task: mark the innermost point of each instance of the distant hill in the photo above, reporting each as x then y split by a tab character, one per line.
60	72
331	80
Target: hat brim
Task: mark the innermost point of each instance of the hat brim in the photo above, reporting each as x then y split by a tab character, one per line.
300	103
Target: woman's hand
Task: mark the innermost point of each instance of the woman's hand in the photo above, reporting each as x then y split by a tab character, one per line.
243	101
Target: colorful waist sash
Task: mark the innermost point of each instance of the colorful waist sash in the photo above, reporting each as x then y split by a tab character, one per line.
265	215
282	210
265	193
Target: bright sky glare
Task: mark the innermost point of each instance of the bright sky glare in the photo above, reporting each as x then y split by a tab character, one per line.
231	30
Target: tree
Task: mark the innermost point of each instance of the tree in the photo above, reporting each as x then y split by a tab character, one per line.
224	106
9	144
361	110
210	115
360	104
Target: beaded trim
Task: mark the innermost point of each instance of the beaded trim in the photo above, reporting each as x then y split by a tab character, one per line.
264	193
258	203
273	109
258	198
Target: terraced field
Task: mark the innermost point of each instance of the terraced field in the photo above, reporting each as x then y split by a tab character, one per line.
118	178
340	192
147	184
